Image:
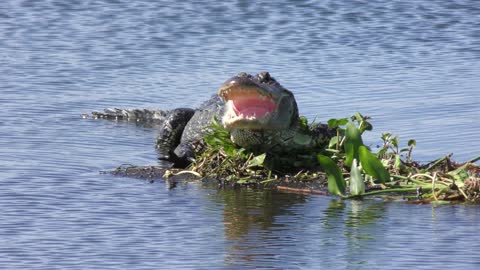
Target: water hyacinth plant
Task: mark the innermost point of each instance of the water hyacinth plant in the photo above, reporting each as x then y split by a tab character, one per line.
344	158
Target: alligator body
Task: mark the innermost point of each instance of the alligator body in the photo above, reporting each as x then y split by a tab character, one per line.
258	112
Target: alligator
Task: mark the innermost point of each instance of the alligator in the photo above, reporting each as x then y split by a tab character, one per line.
259	113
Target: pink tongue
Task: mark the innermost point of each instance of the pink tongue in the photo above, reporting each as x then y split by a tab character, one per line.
253	106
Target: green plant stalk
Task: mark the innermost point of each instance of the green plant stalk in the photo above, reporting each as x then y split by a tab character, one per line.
438	161
268	181
408	179
408	186
473	160
269	178
409	153
398	190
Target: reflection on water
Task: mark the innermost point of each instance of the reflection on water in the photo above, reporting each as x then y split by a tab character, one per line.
248	213
246	210
365	214
259	224
353	220
272	229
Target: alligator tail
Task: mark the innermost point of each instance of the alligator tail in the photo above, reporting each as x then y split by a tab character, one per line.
138	115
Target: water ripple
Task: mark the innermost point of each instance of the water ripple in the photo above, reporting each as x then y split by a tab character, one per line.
411	65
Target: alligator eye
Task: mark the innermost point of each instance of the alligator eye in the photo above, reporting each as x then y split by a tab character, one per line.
264	77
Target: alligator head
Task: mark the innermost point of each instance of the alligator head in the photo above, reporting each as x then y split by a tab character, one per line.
257	103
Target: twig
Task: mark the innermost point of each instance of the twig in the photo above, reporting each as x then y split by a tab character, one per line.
189	172
463	193
296	175
302	190
422	174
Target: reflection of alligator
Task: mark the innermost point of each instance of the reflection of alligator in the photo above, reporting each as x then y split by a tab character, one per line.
259	113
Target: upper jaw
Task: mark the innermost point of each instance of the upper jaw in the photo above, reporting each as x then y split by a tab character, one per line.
246	82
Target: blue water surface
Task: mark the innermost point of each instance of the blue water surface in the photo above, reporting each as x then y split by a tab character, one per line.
412	65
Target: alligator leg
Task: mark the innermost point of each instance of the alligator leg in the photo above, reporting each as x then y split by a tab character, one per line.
171	133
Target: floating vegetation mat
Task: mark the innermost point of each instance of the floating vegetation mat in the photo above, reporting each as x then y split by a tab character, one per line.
344	167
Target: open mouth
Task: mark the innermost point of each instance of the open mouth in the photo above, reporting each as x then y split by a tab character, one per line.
247	106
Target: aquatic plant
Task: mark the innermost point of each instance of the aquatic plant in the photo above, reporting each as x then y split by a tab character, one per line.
219	157
389	172
345	161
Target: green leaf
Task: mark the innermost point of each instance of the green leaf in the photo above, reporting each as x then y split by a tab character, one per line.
353	140
372	165
357	185
332	123
333	142
336	183
382	153
412	143
367	126
209	140
257	160
303	122
358	117
394	141
230	150
342	121
398	162
386	136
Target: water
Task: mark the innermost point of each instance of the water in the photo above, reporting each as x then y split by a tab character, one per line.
412	65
